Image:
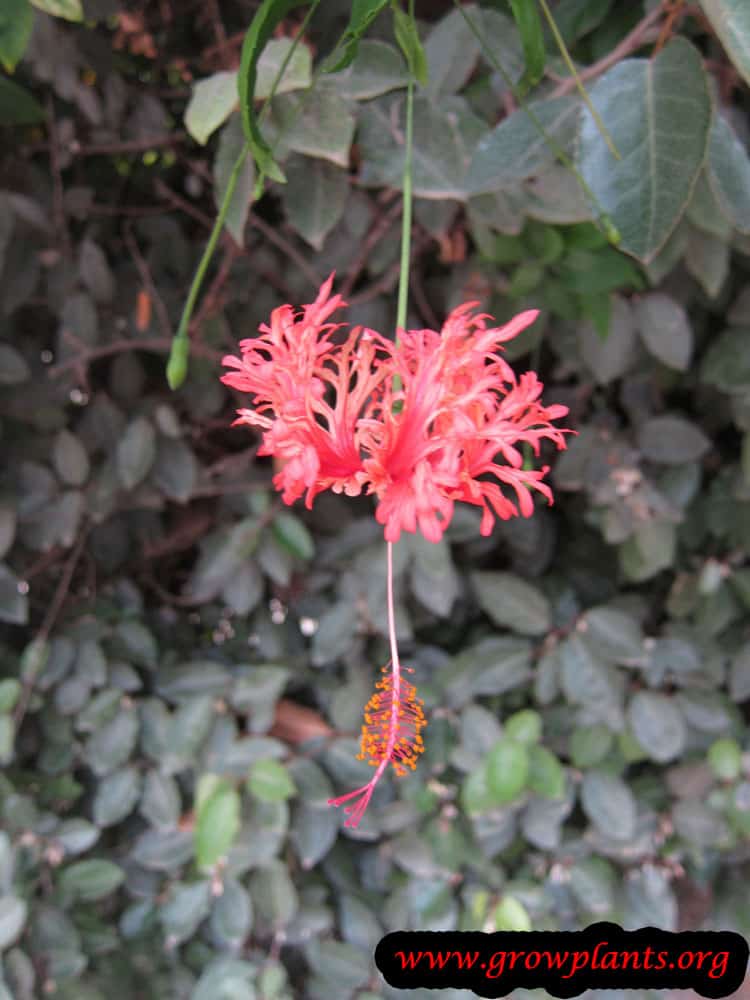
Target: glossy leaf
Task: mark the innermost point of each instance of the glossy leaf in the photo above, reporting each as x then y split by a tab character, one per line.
730	19
658	113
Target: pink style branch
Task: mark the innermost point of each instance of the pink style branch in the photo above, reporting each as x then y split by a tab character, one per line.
415	423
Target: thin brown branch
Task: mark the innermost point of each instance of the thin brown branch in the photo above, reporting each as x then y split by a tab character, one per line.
387	281
76	148
50	618
640	35
179	202
58	193
274	236
376	234
155	345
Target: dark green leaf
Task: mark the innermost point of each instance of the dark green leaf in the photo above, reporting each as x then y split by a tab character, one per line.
658	725
609	804
314	197
91	880
658	112
293	535
672	440
514	149
665	329
526	14
269	14
730	19
16	21
510	601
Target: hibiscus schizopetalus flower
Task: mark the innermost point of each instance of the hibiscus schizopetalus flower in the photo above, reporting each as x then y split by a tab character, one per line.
338	419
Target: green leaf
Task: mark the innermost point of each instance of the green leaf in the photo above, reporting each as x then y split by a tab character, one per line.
433	577
16	21
377	69
70	10
665	329
707	260
297	75
317	123
269	14
658	725
405	30
7	738
91	880
445	135
14	605
217	823
226	979
185	909
524	726
116	796
658	113
614	634
363	13
728	171
452	50
526	14
160	804
70	459
274	895
211	103
17	105
510	601
609	804
507	770
231	144
546	773
314	197
650	550
293	535
514	149
589	745
232	916
13	911
511	915
136	452
672	440
609	359
725	758
730	19
10	689
340	963
270	781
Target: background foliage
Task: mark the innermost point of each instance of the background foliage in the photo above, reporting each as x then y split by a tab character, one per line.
185	661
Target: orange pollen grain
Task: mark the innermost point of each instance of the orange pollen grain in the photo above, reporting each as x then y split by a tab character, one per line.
378	730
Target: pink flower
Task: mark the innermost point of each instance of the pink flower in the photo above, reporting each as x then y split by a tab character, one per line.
418	448
420	424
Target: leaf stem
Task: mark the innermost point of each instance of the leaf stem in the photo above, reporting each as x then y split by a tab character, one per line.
403	278
603	219
579	85
178	356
